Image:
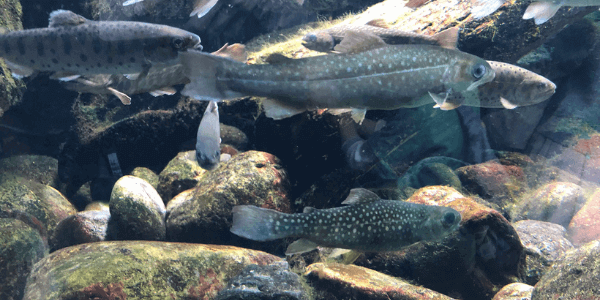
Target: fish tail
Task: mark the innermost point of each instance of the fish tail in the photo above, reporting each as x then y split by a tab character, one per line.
201	68
259	224
541	11
482	8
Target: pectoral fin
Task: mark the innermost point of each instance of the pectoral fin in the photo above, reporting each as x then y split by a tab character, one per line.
122	96
163	91
506	104
17	70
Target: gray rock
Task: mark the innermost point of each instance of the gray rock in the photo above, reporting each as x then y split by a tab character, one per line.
83	227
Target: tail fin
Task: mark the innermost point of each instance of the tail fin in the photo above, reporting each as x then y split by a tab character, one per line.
541	11
256	223
201	68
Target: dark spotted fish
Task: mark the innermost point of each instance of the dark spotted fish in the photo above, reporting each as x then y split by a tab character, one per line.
380	77
158	82
512	87
72	45
367	223
208	139
326	40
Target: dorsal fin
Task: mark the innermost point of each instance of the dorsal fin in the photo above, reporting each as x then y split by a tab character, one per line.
356	42
61	17
447	38
236	52
308	209
360	195
378	23
277	58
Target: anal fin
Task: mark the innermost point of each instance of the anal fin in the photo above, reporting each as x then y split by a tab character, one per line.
300	246
19	71
277	110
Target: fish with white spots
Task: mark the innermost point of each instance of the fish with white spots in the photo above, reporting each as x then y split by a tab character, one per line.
367	223
72	45
368	75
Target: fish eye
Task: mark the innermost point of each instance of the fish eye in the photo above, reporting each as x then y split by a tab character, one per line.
478	71
178	42
449	218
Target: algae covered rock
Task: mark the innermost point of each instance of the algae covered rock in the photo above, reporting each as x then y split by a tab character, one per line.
514	291
82	227
11	90
139	270
204	215
585	225
182	173
39	168
137	210
146	174
21	246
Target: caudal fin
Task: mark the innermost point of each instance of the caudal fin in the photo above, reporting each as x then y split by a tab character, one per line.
541	11
256	223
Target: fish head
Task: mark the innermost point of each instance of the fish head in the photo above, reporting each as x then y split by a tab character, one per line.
318	41
207	157
520	86
167	44
467	72
442	221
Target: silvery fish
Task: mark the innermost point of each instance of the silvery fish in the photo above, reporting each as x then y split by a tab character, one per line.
326	40
367	223
540	11
208	139
72	45
512	87
159	80
369	75
201	7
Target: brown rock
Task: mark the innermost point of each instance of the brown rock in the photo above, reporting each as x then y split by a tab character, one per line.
514	291
585	225
83	227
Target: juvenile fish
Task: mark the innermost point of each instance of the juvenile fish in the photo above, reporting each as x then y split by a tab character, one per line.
540	11
208	139
367	223
326	40
72	45
512	87
382	77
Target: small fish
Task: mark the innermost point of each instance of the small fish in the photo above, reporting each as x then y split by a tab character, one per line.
512	87
540	11
326	40
379	76
72	45
208	140
367	224
159	80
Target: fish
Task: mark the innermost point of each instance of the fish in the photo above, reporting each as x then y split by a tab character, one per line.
72	46
366	223
208	139
326	40
368	75
512	87
158	82
540	11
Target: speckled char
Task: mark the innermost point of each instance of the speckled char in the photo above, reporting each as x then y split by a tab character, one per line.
366	224
74	45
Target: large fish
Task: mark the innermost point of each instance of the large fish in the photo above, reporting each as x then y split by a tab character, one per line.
367	224
540	11
381	77
72	45
512	87
326	40
159	80
208	139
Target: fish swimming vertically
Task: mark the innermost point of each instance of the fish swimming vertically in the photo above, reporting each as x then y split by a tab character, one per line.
367	223
158	82
208	139
72	45
380	77
512	87
326	40
541	11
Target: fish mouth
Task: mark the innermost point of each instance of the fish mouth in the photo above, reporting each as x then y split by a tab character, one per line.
485	79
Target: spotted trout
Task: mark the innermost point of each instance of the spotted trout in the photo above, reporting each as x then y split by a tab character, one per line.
367	223
379	76
326	40
72	45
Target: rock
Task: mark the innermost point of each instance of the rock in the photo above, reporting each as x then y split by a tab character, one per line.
45	204
585	225
139	270
437	170
146	174
204	216
38	168
265	282
544	244
492	181
182	173
83	227
336	281
12	90
483	256
21	246
555	202
137	210
514	291
97	205
574	276
234	137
